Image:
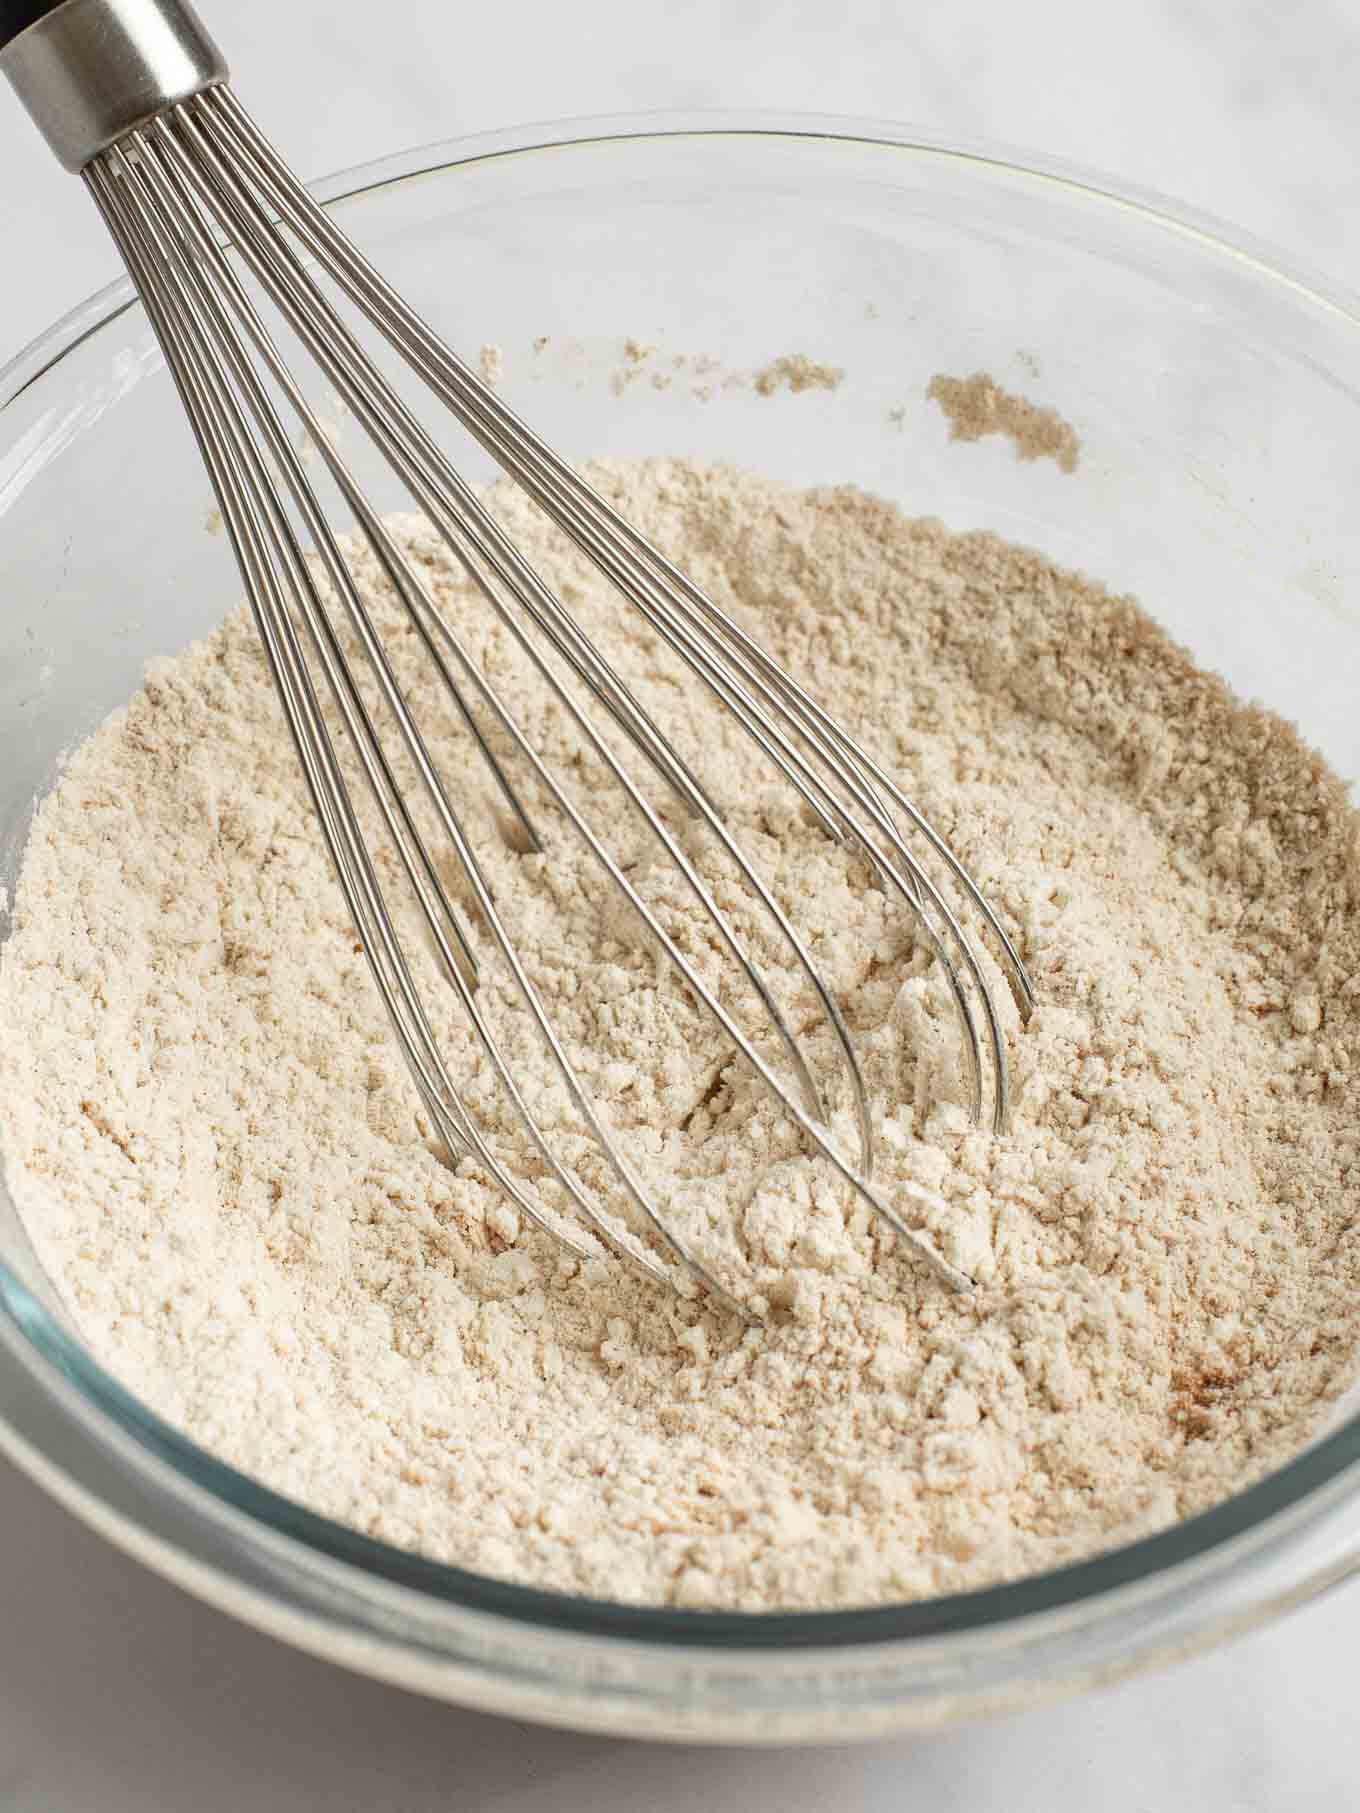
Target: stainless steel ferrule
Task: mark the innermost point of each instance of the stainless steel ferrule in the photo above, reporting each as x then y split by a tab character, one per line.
90	70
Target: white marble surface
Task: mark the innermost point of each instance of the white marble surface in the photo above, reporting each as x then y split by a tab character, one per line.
116	1692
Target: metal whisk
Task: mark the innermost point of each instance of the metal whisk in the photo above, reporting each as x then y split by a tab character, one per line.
134	95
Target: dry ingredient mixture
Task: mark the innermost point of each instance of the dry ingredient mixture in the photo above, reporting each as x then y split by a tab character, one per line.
702	376
491	364
798	372
979	406
214	1143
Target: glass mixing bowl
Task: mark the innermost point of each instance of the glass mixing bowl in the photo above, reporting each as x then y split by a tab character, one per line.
1217	396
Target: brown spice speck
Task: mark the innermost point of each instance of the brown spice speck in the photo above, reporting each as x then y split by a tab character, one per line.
1196	1395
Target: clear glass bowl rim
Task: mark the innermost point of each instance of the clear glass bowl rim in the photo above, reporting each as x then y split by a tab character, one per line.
1268	1513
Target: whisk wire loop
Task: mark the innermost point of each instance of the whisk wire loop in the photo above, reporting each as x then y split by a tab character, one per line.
185	194
713	646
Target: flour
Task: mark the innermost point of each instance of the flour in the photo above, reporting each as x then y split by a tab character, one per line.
797	372
214	1143
491	364
978	406
703	376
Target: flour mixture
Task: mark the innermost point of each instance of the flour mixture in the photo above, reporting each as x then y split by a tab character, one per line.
216	1147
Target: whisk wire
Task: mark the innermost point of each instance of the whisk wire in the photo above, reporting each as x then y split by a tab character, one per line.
435	506
643	575
432	480
246	495
352	857
179	193
362	734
